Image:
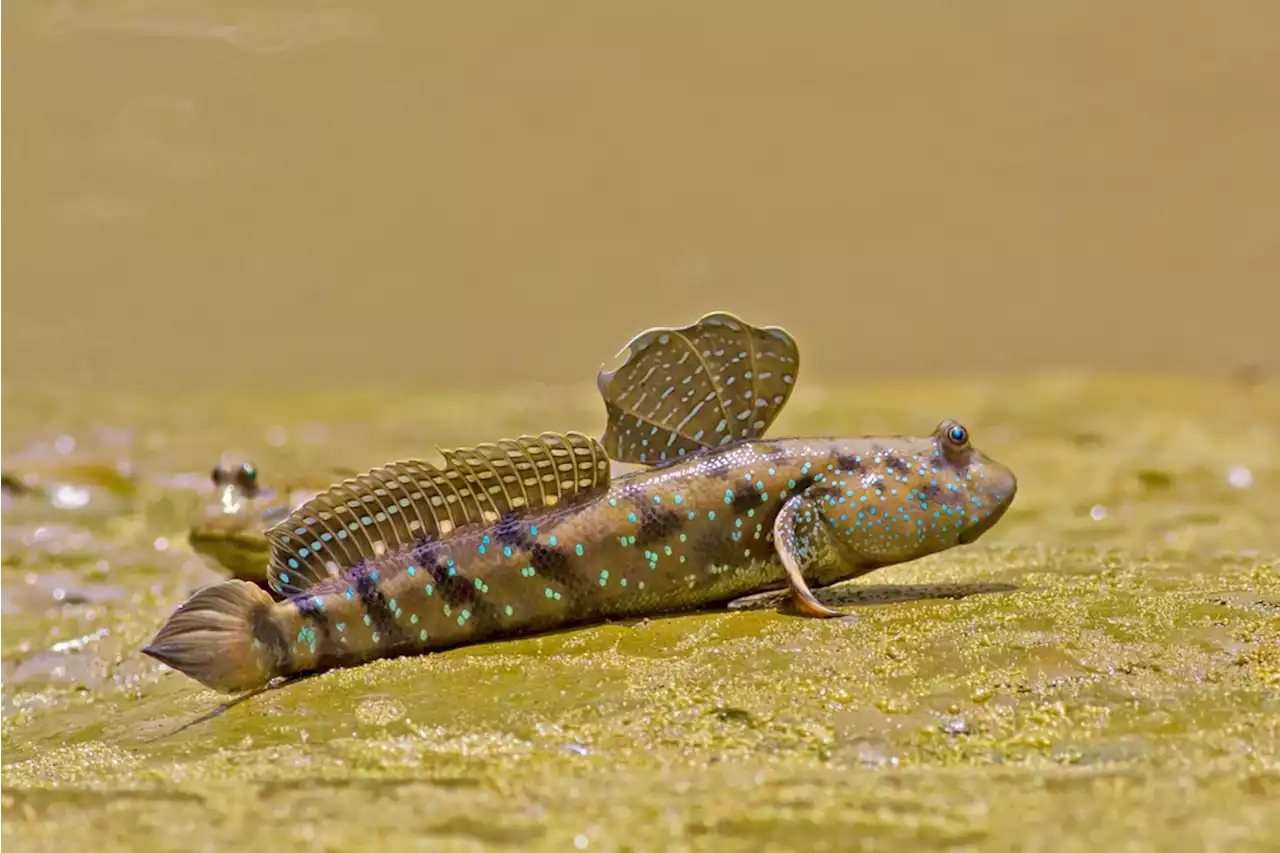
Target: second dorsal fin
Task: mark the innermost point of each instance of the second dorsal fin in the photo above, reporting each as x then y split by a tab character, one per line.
703	385
401	504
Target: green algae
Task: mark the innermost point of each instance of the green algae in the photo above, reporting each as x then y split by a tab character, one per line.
1100	670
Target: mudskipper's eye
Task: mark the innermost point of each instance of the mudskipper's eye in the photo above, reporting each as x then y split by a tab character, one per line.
218	475
247	480
957	435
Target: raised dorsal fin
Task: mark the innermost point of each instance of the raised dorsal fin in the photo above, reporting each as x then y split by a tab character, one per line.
703	385
401	504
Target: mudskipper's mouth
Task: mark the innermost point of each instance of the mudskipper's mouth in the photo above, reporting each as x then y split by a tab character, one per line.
969	534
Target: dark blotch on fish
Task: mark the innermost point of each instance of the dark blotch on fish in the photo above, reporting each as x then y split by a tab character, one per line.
656	524
382	619
745	497
457	590
935	494
848	464
552	563
510	531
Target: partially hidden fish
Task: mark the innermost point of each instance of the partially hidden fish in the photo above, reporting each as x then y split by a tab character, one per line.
533	534
231	531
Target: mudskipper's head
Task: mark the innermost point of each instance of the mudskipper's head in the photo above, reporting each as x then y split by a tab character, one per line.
232	532
911	497
235	481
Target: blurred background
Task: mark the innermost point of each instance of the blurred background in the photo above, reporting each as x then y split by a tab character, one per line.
321	235
472	193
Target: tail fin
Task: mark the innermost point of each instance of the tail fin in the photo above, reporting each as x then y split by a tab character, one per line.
210	638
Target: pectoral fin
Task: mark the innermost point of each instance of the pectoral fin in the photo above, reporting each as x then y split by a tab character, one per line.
796	537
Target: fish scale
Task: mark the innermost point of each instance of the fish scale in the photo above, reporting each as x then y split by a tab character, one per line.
518	552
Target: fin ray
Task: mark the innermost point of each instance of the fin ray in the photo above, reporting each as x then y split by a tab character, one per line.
704	385
381	510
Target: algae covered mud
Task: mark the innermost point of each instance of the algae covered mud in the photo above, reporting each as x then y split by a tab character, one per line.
1101	667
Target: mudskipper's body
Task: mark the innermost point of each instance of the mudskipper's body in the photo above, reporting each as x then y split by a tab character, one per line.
532	534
